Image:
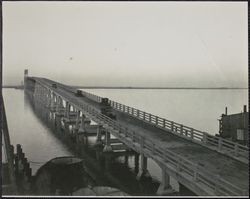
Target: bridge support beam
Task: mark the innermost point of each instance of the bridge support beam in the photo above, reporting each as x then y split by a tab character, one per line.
143	172
76	127
98	135
107	147
165	187
81	129
66	127
126	160
136	160
58	122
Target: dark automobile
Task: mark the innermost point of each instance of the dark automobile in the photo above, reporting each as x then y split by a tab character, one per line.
54	85
106	109
79	93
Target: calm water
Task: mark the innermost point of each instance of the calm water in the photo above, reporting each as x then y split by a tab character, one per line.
38	144
199	109
196	108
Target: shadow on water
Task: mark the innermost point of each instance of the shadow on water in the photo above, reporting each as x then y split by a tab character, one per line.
99	169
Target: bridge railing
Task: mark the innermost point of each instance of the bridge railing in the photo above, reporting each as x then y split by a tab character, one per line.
177	162
91	96
218	143
183	166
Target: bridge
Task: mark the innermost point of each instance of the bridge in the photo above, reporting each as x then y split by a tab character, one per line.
203	163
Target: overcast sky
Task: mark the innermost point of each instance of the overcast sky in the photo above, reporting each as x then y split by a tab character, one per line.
127	43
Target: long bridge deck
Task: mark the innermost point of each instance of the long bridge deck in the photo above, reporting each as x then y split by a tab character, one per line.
206	164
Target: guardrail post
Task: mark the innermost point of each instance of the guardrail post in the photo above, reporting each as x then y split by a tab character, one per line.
142	143
149	117
219	144
133	137
128	110
143	115
153	148
192	133
196	169
164	123
204	138
236	149
172	126
138	114
126	132
181	129
123	108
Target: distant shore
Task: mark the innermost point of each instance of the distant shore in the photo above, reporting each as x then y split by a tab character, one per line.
133	87
128	87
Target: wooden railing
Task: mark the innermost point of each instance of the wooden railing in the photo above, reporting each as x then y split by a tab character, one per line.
92	96
222	145
181	165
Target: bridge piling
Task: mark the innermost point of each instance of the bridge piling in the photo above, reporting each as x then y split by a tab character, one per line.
136	160
165	188
99	135
143	172
126	160
107	147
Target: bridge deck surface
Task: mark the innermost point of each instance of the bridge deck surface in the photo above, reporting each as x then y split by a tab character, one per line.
214	162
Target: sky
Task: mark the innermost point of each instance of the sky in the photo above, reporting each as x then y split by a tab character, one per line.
175	44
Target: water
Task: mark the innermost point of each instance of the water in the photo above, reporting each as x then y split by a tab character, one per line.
26	129
199	109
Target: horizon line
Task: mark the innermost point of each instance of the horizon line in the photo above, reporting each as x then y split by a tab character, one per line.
138	87
155	87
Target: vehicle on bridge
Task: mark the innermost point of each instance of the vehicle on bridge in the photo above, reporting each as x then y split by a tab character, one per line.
106	109
54	85
79	93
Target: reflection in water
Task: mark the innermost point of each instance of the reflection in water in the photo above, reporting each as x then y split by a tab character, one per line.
101	169
37	141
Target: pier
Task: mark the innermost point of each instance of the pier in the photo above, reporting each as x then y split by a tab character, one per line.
200	162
